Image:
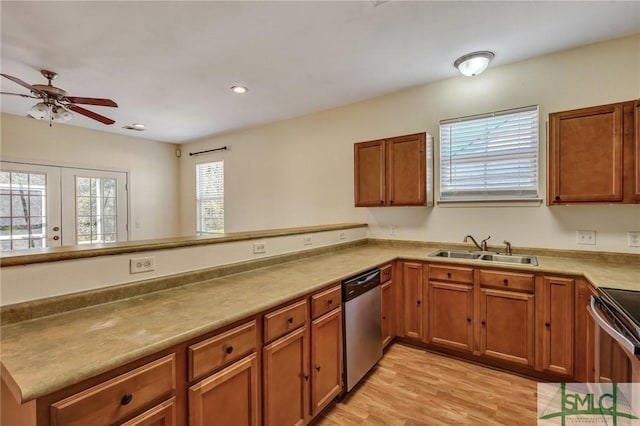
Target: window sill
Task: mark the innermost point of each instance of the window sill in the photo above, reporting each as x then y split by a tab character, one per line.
528	202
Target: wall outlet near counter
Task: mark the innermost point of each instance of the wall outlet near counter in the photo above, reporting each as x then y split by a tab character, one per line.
343	236
142	264
633	238
306	240
259	248
586	237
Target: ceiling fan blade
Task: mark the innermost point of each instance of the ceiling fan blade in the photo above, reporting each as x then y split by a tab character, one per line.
90	114
92	101
21	83
19	94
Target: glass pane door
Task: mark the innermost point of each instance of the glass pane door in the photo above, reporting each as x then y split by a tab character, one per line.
29	206
94	206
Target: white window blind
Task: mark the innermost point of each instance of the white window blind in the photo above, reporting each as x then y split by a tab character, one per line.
490	156
210	197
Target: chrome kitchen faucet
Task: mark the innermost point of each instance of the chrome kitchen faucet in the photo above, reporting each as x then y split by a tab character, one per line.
483	244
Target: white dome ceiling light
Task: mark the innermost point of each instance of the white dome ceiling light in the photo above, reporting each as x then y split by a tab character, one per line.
474	63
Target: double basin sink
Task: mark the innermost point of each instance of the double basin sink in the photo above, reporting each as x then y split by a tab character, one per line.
487	256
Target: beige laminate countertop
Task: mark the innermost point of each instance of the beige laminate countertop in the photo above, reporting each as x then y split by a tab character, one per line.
50	353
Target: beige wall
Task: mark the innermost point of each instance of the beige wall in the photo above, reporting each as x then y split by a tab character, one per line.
300	171
152	166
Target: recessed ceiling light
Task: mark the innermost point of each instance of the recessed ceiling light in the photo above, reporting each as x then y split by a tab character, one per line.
239	89
135	126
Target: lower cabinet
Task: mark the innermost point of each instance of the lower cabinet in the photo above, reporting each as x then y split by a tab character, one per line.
412	300
615	366
451	315
286	380
121	397
326	359
507	312
302	370
161	415
227	398
386	307
556	324
506	326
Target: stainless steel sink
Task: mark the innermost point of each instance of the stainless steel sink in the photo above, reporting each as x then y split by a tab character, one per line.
487	257
513	258
457	254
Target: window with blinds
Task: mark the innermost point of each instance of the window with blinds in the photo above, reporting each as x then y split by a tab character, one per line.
490	156
210	197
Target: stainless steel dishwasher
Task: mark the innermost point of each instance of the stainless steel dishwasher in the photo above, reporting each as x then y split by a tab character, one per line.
362	325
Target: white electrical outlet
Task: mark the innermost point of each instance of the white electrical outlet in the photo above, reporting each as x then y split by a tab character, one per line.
633	238
343	236
259	248
392	229
142	264
306	240
586	237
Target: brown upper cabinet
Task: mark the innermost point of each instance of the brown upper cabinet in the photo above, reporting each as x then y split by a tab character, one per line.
393	171
593	155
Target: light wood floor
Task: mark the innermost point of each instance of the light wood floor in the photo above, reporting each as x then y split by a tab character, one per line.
413	387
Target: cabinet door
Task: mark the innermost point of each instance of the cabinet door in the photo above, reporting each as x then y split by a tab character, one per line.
506	330
326	359
412	279
406	170
386	307
450	315
556	325
584	329
286	380
615	366
369	171
585	155
229	397
161	415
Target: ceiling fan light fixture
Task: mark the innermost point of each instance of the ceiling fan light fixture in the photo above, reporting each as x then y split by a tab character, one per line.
239	89
474	63
60	114
39	111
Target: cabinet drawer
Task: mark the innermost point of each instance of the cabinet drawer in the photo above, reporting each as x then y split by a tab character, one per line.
385	274
161	415
451	273
282	321
109	402
322	303
209	355
507	280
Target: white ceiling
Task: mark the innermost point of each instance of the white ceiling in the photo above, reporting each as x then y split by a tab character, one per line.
170	64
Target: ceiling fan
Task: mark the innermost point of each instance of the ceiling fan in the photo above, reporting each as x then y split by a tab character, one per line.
55	104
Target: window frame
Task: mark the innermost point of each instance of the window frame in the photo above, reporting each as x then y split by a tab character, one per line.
200	199
485	195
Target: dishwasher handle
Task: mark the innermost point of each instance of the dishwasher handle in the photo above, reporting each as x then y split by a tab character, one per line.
360	284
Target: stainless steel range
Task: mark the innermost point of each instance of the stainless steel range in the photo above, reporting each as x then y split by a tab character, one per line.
617	313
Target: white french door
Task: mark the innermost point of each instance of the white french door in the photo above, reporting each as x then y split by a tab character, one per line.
50	206
30	212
